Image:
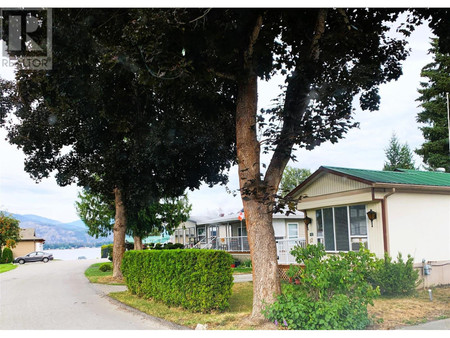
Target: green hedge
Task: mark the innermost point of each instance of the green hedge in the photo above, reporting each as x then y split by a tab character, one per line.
198	280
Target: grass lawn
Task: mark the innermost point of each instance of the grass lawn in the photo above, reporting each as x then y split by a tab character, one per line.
7	267
387	312
393	312
239	270
96	276
235	318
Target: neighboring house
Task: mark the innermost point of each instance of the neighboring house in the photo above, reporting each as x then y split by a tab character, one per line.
28	243
411	211
229	233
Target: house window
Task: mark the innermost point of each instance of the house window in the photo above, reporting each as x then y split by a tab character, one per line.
319	227
293	230
342	228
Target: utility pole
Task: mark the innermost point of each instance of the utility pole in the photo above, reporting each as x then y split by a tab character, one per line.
448	123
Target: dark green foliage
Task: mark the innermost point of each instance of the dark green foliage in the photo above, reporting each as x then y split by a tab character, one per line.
105	267
435	149
333	293
107	251
6	256
395	278
199	280
166	246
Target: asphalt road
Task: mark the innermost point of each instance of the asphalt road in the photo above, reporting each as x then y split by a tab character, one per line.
57	295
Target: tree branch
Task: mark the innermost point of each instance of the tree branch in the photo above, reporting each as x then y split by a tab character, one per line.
222	75
296	102
253	37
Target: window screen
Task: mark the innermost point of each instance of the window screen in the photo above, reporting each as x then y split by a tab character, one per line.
358	224
328	229
341	225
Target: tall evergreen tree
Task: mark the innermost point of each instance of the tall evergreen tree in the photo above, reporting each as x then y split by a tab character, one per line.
398	156
435	150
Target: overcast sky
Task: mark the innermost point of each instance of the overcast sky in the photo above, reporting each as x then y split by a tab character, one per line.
362	148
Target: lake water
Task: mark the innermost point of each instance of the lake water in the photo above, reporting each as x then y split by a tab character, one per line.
73	254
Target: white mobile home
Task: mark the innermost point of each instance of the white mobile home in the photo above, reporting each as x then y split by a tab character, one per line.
404	211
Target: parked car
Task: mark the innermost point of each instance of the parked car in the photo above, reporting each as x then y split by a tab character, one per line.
36	256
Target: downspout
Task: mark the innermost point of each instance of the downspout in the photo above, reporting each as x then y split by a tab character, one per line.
384	215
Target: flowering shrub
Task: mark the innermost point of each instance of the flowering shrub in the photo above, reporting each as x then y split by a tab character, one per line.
333	293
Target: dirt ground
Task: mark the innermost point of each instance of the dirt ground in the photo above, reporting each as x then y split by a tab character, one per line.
391	313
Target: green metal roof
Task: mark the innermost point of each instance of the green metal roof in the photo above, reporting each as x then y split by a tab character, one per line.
401	176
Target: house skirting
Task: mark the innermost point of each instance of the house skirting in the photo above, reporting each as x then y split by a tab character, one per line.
440	274
240	256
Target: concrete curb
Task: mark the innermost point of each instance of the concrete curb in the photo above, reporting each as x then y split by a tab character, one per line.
442	324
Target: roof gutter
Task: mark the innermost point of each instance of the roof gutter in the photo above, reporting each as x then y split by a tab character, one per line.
384	215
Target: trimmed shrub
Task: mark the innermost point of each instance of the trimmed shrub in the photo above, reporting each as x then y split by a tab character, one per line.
7	256
198	280
333	293
395	278
105	267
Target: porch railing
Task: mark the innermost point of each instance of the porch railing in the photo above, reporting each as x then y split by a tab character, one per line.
235	243
206	243
284	247
240	244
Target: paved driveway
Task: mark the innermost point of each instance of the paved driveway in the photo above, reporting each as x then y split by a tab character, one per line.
57	295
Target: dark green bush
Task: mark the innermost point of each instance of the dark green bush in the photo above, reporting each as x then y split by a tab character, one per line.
107	251
395	278
333	293
166	246
105	267
199	280
6	256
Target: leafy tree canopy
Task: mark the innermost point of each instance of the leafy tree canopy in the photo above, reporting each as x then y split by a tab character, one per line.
434	115
98	213
9	230
292	177
94	122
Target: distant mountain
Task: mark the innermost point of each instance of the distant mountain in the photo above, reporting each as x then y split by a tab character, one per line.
60	235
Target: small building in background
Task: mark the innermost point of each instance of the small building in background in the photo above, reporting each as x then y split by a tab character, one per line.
28	243
229	233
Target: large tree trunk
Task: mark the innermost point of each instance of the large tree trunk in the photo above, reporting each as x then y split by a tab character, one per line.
258	195
257	204
138	243
120	227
